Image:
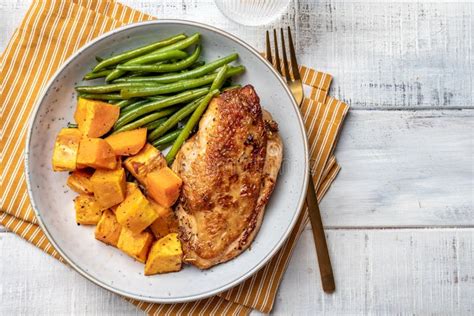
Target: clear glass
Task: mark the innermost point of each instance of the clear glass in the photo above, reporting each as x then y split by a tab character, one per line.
252	12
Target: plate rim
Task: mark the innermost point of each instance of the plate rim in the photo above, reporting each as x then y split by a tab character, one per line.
165	300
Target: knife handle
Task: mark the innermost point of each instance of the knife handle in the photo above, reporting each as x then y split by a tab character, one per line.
325	268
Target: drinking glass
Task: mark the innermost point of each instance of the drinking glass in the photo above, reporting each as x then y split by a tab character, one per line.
252	12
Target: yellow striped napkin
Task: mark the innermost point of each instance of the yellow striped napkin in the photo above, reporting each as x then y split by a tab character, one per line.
50	32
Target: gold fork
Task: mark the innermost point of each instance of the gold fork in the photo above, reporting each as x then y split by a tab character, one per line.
296	86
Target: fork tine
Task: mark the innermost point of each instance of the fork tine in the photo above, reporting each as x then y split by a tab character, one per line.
277	55
285	59
294	63
268	48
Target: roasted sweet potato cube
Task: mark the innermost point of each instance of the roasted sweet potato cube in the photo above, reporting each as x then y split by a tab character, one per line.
166	222
95	118
164	186
96	153
88	210
136	212
131	186
129	142
147	160
79	181
108	229
135	245
65	149
165	255
109	186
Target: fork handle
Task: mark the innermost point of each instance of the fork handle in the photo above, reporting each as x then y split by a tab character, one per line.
325	268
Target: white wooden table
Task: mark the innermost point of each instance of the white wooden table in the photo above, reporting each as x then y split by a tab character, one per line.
400	216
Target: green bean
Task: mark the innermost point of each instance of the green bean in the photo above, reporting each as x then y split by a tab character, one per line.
106	88
235	86
134	74
138	52
220	78
141	78
71	125
130	75
156	98
185	43
196	116
141	75
114	101
177	86
171	136
133	106
124	103
95	75
145	120
197	72
99	59
105	96
198	63
163	146
174	119
155	124
161	56
144	59
156	105
193	120
182	64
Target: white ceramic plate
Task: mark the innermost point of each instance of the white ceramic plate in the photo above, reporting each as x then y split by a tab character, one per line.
110	268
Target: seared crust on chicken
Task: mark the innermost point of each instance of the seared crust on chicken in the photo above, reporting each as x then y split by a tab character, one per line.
229	169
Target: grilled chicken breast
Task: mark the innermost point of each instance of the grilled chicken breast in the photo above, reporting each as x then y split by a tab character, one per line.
229	169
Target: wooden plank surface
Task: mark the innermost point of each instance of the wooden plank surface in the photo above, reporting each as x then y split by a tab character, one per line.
390	54
404	168
392	271
384	272
35	283
387	54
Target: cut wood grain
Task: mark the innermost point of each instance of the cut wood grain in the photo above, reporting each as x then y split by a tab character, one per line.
11	14
403	168
381	55
387	54
32	282
384	272
408	271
